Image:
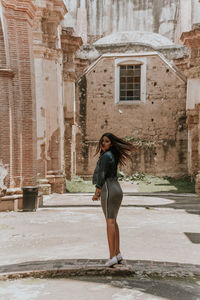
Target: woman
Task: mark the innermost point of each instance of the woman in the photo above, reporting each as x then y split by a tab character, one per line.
113	151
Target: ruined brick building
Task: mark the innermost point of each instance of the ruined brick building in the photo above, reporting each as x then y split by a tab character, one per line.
37	74
157	114
137	94
71	70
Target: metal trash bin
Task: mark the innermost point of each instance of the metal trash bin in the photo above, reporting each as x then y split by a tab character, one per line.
30	198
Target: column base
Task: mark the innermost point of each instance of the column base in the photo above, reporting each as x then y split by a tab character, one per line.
57	181
44	187
11	200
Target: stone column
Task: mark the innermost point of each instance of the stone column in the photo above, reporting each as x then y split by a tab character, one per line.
193	140
70	44
192	70
49	99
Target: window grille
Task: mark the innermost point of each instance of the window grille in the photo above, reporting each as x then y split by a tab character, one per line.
130	82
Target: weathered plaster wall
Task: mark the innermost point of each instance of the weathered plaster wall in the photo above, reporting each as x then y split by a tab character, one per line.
50	64
193	92
195	18
3	174
189	14
108	16
50	123
157	125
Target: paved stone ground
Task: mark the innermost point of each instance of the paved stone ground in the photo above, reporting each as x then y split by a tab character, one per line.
72	226
129	186
188	202
159	235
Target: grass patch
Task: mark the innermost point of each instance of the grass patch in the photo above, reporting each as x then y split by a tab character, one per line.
78	185
145	183
155	184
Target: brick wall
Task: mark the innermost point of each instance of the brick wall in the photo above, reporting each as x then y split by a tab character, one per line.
158	126
18	119
190	66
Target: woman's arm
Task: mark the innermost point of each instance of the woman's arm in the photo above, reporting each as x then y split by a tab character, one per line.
104	165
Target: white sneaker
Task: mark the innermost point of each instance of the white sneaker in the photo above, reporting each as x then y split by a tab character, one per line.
119	257
111	261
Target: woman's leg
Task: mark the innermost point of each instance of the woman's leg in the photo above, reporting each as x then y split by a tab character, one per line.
111	228
117	240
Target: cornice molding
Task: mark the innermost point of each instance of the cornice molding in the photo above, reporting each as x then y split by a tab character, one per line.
26	6
7	73
69	42
60	7
41	51
50	7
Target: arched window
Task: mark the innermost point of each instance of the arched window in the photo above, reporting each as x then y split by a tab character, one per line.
130	80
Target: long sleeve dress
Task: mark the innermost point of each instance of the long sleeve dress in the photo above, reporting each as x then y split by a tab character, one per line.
105	178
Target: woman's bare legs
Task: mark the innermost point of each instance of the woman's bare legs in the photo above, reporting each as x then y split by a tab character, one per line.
113	236
117	240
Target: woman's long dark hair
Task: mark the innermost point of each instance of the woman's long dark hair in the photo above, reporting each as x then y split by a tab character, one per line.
119	147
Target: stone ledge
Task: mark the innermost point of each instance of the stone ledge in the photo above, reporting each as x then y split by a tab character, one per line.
7	73
81	267
11	203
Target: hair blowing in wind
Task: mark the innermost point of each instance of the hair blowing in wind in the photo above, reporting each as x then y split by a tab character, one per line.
121	148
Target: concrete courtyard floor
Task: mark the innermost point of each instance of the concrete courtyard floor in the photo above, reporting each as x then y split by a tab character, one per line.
157	232
76	230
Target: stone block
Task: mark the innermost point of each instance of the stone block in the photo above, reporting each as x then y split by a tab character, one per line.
45	189
11	202
7	205
58	183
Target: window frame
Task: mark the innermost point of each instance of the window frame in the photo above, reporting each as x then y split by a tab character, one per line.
130	61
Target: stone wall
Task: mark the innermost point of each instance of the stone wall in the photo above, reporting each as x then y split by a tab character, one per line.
158	126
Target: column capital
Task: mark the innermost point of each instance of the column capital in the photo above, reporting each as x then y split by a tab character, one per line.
48	17
192	38
69	42
49	6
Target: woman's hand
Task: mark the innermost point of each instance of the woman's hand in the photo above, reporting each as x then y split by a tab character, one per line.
94	198
96	195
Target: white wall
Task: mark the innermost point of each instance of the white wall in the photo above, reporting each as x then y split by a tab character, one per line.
193	92
195	11
108	16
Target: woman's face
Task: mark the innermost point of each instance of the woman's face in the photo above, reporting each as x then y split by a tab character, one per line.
106	143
